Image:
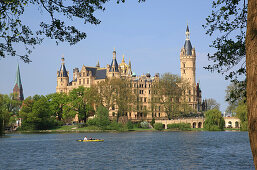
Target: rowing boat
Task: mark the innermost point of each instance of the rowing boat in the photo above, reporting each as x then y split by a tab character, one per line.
92	140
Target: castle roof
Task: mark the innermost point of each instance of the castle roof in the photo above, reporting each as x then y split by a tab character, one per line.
115	65
97	73
63	69
188	47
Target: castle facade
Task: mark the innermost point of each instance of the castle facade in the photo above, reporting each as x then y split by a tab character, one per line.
89	76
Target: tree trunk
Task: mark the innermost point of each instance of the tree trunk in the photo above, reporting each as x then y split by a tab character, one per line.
251	69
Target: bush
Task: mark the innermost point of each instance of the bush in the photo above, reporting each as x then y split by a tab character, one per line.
144	125
179	126
117	126
130	125
81	125
158	126
91	122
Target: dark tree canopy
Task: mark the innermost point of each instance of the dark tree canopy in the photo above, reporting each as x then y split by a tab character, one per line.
13	30
229	18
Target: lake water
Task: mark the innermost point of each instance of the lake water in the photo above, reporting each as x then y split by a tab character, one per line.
133	150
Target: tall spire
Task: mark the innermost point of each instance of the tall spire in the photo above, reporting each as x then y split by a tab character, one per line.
129	63
18	77
187	33
17	90
187	45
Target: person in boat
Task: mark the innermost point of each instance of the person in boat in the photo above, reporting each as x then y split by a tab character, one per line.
85	138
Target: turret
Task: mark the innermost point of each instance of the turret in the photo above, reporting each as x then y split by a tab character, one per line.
113	69
62	78
187	60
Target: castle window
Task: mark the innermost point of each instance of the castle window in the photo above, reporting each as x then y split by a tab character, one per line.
87	80
159	114
149	91
184	71
113	107
184	65
189	92
79	81
83	81
144	107
145	99
61	79
84	74
189	99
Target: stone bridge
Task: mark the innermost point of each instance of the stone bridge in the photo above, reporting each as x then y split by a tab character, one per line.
194	122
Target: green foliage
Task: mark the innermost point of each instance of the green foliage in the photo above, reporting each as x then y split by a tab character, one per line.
213	120
102	117
145	125
152	122
91	122
158	126
228	18
81	101
36	114
9	109
241	113
117	126
179	126
130	125
15	31
81	125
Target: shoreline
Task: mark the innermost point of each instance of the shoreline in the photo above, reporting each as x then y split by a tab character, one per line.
116	131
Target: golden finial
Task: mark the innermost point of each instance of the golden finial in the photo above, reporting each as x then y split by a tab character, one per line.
123	60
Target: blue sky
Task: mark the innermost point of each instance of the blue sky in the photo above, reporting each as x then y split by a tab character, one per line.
150	34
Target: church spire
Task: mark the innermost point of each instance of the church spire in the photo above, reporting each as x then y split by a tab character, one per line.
17	90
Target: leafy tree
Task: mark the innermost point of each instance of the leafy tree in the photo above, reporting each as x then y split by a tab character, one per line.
81	102
122	95
9	108
231	18
234	95
212	104
57	101
168	92
102	117
36	114
241	113
213	120
14	31
115	91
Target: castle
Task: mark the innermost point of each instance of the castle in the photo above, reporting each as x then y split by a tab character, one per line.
89	76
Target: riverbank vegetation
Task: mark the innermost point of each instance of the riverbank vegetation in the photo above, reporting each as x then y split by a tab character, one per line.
214	120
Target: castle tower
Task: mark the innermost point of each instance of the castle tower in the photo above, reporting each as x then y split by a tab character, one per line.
187	60
187	69
62	78
17	90
113	69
